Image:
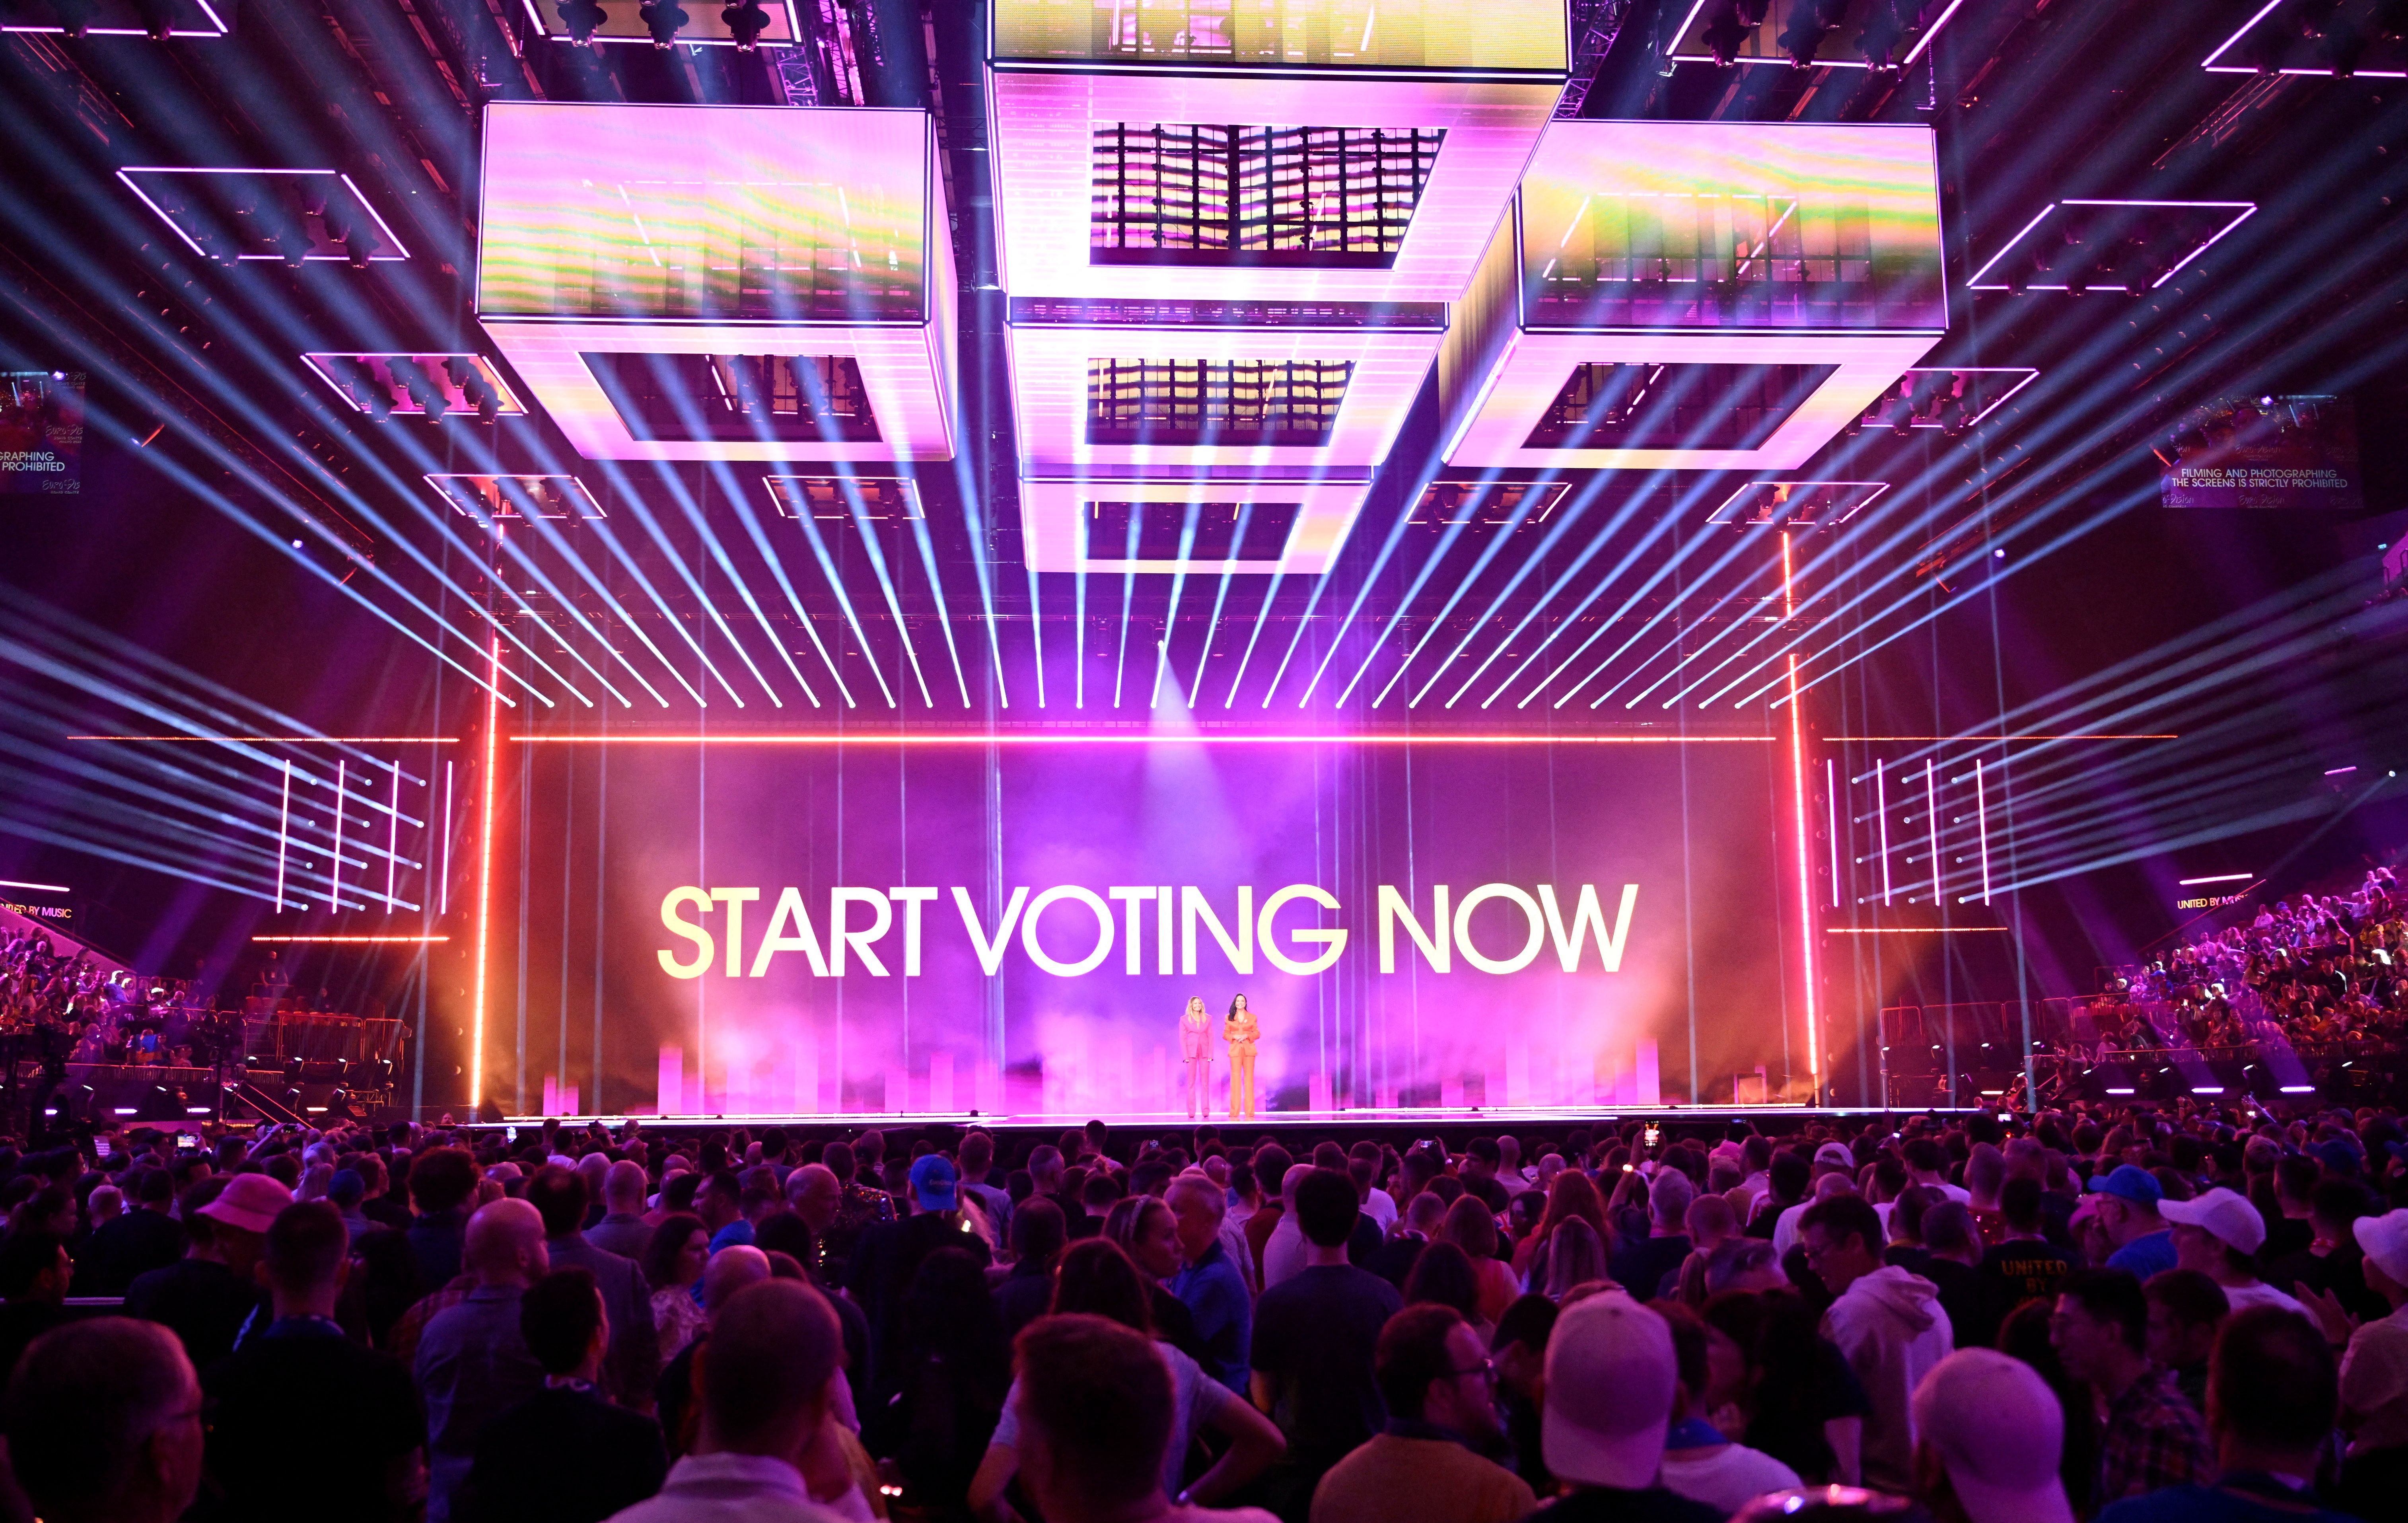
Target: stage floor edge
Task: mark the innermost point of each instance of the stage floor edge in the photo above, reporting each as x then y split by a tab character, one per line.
1449	1117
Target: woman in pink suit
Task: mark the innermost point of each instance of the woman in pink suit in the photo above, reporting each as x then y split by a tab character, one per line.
1196	1049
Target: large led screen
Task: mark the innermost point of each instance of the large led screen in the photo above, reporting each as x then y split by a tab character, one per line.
1015	928
1313	34
1732	226
679	212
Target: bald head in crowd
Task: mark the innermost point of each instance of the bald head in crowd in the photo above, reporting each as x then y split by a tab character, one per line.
815	1193
505	1245
731	1268
623	1187
104	1424
764	1376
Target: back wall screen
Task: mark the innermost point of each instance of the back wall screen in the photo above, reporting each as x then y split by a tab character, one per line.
727	927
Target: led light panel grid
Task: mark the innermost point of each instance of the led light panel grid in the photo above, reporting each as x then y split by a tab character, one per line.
1485	502
1564	284
1732	224
2289	41
1049	371
1506	35
159	187
1043	127
1838	50
774	231
1053	517
832	498
1808	505
2228	214
488	498
624	21
378	369
119	19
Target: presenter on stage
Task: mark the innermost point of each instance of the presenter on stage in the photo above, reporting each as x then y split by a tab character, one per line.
1195	1047
1242	1031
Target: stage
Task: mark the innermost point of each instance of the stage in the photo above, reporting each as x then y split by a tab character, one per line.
1451	1125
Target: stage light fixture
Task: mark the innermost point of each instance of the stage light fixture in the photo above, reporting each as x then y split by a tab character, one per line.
582	17
158	17
75	16
1885	29
1810	22
745	21
664	19
1725	35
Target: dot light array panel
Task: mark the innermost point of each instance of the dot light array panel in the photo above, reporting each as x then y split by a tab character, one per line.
683	282
1694	295
1229	232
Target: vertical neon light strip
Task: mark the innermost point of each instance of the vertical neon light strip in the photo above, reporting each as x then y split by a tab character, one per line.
1832	809
334	865
283	831
443	889
1931	816
1805	872
1881	812
392	838
1981	824
484	886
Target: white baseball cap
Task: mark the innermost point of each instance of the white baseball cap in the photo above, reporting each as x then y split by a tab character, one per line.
2227	1217
2384	1238
2000	1434
1610	1375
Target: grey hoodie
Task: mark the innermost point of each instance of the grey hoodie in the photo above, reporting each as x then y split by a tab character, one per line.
1891	1329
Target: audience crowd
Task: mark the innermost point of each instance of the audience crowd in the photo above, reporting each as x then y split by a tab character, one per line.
2319	968
2131	1314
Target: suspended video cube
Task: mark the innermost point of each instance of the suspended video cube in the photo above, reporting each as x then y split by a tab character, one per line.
1230	234
1694	297
687	282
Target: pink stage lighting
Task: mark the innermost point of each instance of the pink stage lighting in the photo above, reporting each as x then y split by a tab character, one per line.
706	24
2108	245
493	500
1226	527
723	283
295	215
1694	297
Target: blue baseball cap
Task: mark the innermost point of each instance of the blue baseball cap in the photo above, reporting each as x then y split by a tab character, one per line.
932	1183
2129	1182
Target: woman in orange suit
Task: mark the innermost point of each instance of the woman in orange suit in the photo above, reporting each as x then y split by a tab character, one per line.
1241	1031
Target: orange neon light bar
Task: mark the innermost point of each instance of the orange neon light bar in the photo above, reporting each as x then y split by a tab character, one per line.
1204	739
351	939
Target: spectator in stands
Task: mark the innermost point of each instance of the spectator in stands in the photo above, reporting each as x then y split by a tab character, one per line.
441	1181
1440	1387
2186	1309
2272	1398
1038	1238
1700	1462
104	1424
2023	1266
1094	1415
2375	1372
565	1454
2219	1234
2127	1207
673	1264
2152	1438
1887	1323
137	1242
473	1362
1207	1282
1315	1336
1988	1437
1642	1264
212	1293
35	1272
635	1362
1611	1377
623	1229
255	1467
766	1445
